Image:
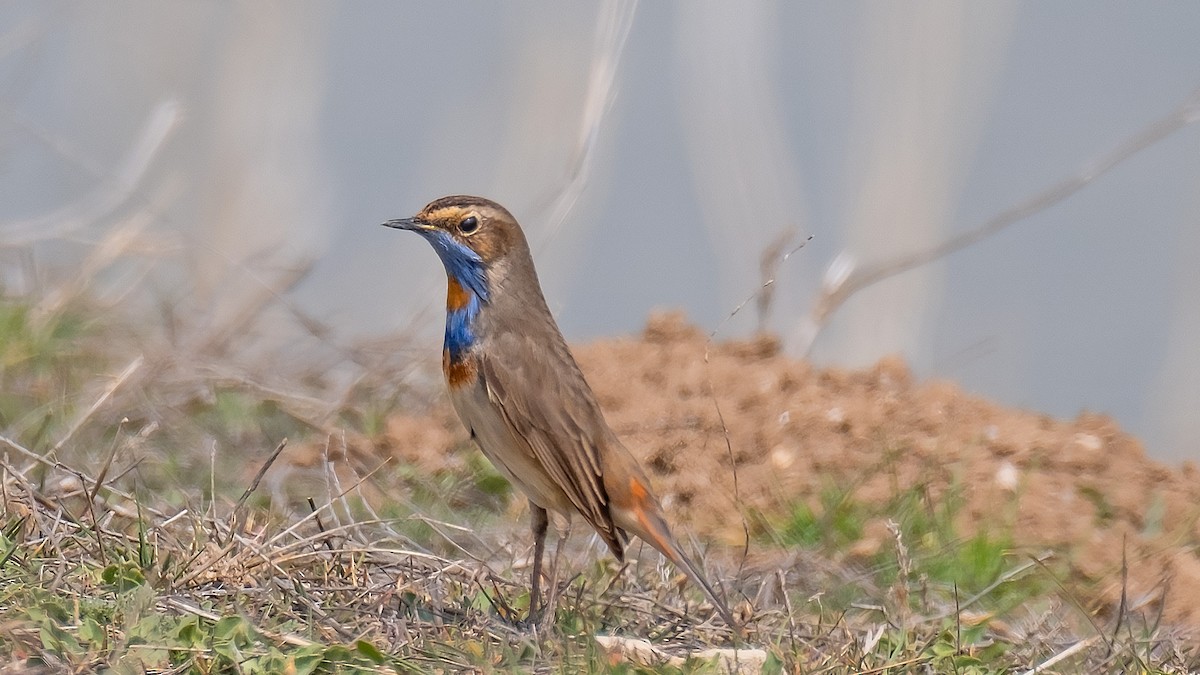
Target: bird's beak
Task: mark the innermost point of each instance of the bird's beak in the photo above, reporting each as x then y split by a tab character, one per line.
408	224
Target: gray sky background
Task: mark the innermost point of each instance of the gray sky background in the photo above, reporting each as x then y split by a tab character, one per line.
878	128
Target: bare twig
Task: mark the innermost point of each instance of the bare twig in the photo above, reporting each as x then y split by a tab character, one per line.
40	459
1063	655
839	286
114	191
118	242
238	323
112	453
717	405
1001	580
768	265
262	471
108	393
612	30
1124	606
286	638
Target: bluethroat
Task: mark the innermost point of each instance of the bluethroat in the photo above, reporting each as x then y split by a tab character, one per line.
518	390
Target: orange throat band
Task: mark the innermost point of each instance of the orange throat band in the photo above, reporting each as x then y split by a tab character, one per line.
460	373
456	296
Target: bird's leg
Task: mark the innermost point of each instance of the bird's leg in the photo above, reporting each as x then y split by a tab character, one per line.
552	598
540	521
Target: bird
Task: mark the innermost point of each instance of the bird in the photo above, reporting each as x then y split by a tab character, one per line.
518	390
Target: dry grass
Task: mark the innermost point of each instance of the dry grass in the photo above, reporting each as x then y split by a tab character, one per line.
100	571
138	533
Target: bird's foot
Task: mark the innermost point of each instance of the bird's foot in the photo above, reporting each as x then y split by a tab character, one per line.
510	615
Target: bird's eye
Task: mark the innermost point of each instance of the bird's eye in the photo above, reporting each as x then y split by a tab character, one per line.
468	225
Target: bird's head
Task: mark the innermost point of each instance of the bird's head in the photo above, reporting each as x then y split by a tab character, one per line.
470	235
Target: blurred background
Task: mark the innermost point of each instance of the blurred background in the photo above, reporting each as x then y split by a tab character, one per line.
222	168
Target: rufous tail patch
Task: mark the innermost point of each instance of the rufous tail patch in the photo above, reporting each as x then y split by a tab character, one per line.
653	528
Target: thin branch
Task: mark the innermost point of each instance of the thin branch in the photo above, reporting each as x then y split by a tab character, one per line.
840	286
286	638
1064	654
612	31
262	471
114	191
132	368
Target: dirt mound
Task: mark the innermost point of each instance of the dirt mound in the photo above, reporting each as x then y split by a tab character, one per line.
1081	487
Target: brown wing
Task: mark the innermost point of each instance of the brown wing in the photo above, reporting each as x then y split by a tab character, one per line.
547	404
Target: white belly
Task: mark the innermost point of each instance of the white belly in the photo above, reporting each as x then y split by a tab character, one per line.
505	451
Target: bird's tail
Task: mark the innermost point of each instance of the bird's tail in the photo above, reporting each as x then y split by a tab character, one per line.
655	531
683	562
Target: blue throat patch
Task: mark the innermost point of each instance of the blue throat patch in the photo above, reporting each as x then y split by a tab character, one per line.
459	333
467	268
